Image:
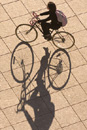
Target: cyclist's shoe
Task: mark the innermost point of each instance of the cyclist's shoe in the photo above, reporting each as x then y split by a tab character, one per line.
48	37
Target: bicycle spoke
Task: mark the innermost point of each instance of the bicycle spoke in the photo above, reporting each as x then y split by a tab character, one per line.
55	76
52	67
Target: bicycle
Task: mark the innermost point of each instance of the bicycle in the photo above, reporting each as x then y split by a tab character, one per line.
59	65
28	33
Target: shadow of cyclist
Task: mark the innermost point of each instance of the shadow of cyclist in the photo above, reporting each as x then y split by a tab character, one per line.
43	116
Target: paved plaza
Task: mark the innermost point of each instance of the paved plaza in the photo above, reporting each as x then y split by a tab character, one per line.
53	110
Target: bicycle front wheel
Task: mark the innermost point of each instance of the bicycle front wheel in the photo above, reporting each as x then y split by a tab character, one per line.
59	69
22	61
26	32
63	40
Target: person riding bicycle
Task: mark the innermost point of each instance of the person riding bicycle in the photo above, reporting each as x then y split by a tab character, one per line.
54	24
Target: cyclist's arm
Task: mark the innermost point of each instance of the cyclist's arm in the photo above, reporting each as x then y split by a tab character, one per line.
44	20
45	13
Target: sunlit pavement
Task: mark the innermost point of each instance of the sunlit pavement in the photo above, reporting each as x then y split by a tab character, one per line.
67	109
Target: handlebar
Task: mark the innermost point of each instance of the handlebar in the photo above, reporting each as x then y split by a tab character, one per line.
34	19
35	15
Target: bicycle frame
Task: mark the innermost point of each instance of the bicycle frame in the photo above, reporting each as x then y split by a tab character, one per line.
51	31
33	22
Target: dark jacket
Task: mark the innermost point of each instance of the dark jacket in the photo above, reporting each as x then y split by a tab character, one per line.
52	16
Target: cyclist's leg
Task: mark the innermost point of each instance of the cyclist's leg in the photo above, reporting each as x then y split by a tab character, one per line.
56	26
45	27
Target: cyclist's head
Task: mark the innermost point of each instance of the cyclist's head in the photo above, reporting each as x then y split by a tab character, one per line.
51	6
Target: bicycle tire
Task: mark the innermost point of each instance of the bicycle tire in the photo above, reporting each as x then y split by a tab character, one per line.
21	31
58	69
22	56
65	42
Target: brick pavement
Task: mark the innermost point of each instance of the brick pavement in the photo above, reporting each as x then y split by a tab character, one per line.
68	107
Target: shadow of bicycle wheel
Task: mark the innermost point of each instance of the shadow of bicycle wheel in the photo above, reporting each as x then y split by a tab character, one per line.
22	58
59	69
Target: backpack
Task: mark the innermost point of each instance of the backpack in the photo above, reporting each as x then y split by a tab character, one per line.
61	17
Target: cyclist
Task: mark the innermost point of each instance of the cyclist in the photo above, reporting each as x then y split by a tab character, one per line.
54	24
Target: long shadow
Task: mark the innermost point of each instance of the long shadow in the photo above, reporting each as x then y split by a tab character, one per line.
59	69
43	116
22	53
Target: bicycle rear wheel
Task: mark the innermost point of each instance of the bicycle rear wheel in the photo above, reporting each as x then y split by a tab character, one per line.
22	61
59	69
63	40
26	32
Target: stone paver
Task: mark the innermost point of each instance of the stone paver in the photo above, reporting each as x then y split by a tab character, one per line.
66	116
74	61
47	109
3	14
24	126
84	52
13	116
17	9
77	126
78	6
85	123
11	42
75	94
72	25
7	98
81	110
80	39
4	27
3	83
3	48
59	101
84	87
66	9
4	60
22	19
80	73
83	18
8	128
3	120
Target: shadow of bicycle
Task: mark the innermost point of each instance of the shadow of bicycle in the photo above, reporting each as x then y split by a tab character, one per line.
42	116
58	67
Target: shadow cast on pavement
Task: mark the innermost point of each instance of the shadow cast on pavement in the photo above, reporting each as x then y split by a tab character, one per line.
43	117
